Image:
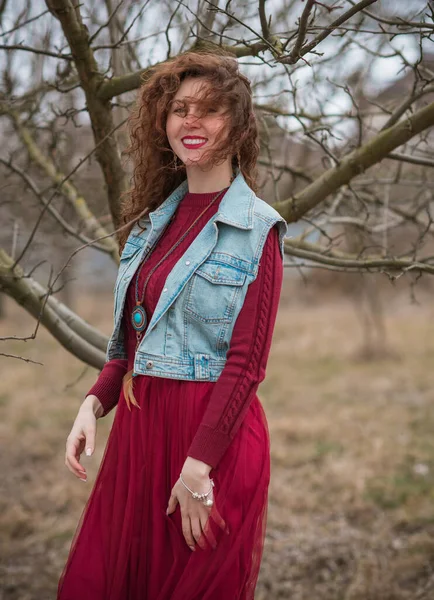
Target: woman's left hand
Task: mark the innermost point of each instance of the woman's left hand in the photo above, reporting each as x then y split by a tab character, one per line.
194	513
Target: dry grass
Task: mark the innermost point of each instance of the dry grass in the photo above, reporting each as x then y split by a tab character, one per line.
351	511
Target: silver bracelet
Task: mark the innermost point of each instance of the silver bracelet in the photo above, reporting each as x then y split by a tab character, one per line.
196	495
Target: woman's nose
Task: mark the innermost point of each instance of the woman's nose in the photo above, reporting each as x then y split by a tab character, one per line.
191	120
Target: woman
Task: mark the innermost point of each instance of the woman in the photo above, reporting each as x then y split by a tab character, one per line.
178	509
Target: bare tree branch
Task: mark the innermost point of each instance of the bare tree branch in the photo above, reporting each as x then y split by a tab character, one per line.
17	357
414	160
23	23
54	213
356	163
302	29
290	59
398	22
306	251
126	83
405	105
24	291
66	187
35	51
99	109
263	19
310	116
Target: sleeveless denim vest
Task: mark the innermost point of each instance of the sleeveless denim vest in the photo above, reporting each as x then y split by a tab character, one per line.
190	330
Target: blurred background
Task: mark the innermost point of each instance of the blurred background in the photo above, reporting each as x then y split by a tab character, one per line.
344	98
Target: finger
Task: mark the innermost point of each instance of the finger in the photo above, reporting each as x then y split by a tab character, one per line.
173	501
90	433
215	515
196	530
217	518
186	530
206	528
75	445
72	452
81	474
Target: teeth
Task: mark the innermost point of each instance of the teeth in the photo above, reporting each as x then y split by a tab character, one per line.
194	141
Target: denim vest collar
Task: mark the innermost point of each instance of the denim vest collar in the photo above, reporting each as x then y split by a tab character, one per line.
235	208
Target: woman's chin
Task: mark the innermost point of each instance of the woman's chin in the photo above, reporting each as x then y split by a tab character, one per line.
194	162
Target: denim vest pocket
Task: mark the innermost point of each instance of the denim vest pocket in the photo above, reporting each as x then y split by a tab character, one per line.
213	291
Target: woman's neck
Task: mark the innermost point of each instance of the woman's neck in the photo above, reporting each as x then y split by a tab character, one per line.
201	181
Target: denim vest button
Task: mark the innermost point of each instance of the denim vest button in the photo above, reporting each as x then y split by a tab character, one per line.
187	262
165	290
149	364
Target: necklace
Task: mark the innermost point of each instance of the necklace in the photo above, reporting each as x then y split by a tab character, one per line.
138	314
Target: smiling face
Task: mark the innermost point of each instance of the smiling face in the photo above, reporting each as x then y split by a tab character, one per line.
189	132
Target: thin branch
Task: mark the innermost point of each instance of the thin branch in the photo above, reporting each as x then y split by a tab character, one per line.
405	105
208	23
54	213
116	86
119	44
14	283
72	320
371	263
24	23
302	29
356	163
65	186
414	160
286	169
99	110
289	59
35	51
233	17
106	24
263	19
399	22
27	360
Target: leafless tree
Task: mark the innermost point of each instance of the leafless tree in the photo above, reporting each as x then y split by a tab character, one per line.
344	95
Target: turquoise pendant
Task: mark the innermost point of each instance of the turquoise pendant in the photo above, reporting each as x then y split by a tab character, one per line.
138	318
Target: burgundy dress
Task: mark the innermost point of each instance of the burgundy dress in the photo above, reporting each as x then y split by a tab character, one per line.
125	546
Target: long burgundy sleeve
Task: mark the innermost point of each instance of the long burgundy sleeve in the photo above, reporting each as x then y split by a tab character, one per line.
108	385
246	359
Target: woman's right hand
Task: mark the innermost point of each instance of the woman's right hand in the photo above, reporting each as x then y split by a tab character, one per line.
82	436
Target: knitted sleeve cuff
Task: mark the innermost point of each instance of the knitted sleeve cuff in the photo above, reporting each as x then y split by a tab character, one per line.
107	387
209	445
104	390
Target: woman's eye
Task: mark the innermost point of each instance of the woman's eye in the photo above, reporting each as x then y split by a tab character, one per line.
182	111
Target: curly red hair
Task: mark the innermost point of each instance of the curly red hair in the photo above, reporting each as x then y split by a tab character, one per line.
156	172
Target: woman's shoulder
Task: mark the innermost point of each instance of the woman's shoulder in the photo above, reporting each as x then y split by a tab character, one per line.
268	216
266	211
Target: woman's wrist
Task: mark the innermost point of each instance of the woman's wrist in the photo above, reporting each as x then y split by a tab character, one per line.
195	468
94	404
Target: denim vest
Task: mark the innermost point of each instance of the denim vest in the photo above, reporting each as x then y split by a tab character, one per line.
190	330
